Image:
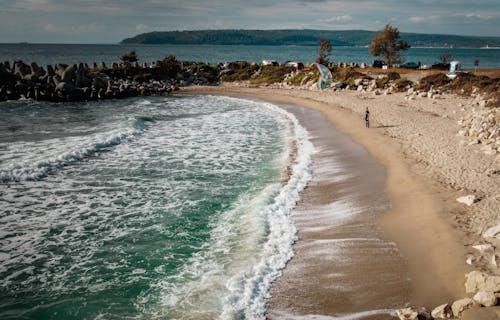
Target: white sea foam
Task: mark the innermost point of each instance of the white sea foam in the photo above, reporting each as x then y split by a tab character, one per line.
348	316
38	163
249	289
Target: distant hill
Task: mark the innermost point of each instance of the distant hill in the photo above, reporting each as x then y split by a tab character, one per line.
304	38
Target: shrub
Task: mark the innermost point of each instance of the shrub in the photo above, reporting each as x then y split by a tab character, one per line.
402	84
436	80
302	77
169	67
238	71
129	57
271	74
207	71
348	74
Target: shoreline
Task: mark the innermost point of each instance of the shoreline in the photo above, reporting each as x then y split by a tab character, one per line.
419	221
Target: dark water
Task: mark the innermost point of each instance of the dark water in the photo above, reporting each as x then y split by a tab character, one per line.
73	53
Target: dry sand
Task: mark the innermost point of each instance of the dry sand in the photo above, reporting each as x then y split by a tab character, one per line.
426	169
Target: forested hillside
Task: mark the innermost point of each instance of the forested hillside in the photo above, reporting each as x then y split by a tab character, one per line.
303	37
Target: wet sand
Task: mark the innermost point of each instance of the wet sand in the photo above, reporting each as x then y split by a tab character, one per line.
342	265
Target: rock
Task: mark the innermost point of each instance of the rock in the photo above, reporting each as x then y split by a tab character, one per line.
468	200
423	314
493	232
407	314
494	259
441	312
486	299
460	305
36	70
470	260
479	281
21	69
69	73
483	247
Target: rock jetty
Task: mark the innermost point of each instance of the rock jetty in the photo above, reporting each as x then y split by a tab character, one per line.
81	82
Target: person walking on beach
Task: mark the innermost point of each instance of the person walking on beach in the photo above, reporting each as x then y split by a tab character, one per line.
367	118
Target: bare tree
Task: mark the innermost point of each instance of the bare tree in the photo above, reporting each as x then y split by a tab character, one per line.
324	50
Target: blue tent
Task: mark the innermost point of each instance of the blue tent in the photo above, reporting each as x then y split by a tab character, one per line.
325	77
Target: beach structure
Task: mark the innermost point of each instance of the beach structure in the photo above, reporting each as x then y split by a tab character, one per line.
455	67
325	77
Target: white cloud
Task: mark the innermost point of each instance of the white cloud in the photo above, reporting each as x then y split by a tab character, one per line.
141	27
423	19
337	19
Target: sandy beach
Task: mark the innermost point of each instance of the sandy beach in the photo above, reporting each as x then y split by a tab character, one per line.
409	167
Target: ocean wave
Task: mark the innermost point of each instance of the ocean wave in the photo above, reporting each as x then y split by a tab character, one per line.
249	290
45	167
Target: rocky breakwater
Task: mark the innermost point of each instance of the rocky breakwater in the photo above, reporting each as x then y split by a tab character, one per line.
79	82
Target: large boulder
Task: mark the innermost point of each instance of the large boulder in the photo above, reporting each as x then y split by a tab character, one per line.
5	76
441	312
69	74
460	305
487	299
492	233
21	69
468	200
99	83
407	314
36	70
480	281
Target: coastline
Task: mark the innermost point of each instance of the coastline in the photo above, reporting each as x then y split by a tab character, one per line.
424	218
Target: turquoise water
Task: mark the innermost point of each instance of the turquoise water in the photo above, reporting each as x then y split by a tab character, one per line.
150	208
73	53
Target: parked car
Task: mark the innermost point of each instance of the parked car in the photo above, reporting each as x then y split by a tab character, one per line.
441	66
378	63
270	63
297	64
410	65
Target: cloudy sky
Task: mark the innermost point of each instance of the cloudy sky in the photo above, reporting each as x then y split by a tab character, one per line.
109	21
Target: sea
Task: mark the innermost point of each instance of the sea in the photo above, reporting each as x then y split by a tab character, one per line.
44	54
172	207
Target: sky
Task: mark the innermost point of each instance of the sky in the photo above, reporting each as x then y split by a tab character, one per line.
110	21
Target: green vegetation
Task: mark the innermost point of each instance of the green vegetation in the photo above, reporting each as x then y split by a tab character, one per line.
204	70
302	37
302	77
388	45
348	75
169	67
402	84
271	74
238	71
129	57
436	80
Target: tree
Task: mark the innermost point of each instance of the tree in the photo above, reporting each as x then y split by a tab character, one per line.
387	45
129	57
446	57
324	50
